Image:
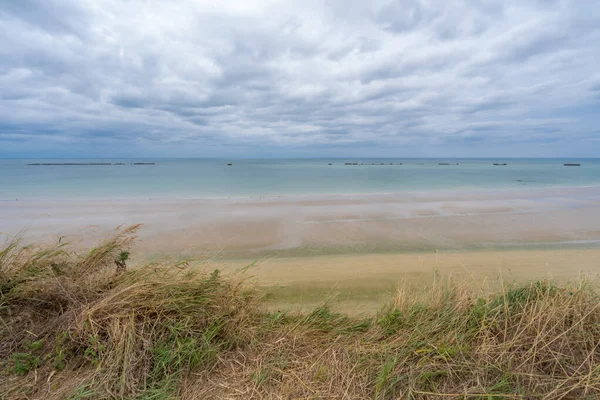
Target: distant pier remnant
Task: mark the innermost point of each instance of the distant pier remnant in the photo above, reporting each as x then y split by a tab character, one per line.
71	164
94	163
379	163
572	165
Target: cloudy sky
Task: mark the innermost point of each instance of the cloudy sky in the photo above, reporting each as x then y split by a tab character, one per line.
258	78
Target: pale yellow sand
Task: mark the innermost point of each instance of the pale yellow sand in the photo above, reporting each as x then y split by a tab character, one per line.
363	282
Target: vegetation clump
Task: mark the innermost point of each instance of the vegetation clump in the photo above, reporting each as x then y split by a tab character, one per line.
71	327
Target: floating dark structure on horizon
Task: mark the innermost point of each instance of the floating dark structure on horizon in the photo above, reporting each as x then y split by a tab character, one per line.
500	164
71	164
572	165
229	164
447	163
380	163
92	163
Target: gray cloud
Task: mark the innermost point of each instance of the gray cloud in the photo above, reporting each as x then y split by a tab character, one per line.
392	74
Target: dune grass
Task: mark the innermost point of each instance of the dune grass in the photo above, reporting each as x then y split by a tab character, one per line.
73	327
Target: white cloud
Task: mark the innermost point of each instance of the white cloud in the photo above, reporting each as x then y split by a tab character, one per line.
385	73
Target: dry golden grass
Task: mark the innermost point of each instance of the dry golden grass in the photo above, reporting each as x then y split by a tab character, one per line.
72	328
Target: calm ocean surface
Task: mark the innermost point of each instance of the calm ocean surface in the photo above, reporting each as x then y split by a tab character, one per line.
195	178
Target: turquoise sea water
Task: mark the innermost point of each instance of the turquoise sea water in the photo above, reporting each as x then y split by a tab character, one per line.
202	178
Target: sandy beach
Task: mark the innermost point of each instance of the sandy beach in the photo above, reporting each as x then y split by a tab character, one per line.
361	247
323	225
361	283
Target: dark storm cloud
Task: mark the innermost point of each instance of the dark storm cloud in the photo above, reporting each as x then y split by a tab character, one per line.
279	73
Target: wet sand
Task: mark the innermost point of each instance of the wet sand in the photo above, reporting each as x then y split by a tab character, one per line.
359	242
321	225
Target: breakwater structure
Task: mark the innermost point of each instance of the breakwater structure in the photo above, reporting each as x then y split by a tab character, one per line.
52	164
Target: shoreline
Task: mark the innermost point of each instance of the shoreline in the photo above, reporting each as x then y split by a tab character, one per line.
462	191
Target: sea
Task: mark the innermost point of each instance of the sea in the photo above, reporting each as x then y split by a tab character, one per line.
214	178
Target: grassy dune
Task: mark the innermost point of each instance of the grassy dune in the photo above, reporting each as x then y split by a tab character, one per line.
72	327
